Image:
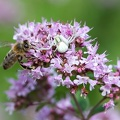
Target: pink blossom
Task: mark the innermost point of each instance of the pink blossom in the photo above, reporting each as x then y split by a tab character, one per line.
10	11
108	115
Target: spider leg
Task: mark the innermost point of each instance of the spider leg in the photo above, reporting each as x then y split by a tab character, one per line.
72	38
51	43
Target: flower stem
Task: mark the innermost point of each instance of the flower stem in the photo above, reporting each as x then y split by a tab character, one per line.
78	106
92	110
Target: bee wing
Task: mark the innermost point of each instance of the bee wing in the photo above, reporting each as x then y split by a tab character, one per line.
5	44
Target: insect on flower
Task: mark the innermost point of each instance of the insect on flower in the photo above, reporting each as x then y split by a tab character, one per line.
61	43
16	53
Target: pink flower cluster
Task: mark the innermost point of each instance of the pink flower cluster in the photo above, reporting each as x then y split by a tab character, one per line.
27	91
110	115
58	112
9	10
63	54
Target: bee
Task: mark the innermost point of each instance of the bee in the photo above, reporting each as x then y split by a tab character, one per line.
16	53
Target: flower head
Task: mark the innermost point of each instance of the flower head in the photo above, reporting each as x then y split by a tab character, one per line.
60	111
9	10
61	54
109	115
27	91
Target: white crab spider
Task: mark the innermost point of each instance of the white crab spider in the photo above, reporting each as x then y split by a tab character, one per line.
61	43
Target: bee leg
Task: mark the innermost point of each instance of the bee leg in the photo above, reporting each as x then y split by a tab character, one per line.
20	58
25	67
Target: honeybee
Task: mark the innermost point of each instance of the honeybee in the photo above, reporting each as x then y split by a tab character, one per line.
17	53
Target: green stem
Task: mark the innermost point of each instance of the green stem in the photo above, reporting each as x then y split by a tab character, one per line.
92	110
78	106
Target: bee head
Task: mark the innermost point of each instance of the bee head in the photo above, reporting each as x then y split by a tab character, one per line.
26	45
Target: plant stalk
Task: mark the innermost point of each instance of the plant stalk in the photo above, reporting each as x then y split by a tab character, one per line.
92	110
78	106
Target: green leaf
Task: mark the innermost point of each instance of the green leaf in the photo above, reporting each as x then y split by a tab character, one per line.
83	102
60	92
98	109
90	75
41	105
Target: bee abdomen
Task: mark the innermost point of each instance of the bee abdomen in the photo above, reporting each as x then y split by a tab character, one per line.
9	60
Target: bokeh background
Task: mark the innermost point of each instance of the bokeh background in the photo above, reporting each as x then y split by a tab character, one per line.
101	15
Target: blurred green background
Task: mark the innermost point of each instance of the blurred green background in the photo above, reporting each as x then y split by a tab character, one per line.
102	15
